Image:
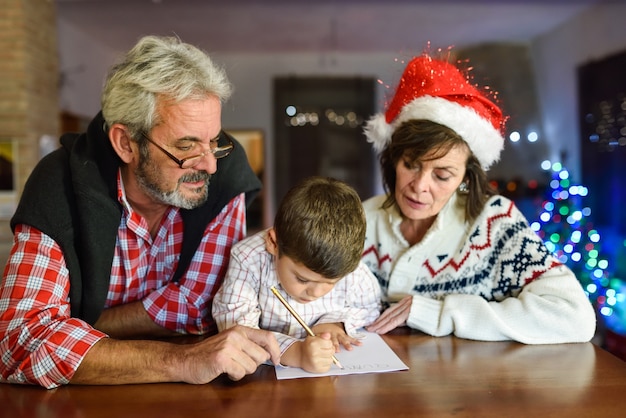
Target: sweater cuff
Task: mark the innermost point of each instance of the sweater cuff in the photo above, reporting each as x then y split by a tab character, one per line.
426	316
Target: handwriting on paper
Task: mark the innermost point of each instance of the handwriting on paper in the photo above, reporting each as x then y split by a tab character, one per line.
367	367
372	356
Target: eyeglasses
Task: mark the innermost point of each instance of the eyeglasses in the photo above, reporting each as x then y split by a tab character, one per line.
190	162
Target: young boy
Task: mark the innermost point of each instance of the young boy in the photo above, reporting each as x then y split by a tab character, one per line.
312	256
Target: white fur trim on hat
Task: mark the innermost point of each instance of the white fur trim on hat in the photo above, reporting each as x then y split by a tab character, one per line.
378	131
484	140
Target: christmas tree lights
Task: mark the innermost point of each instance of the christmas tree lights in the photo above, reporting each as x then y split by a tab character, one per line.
566	226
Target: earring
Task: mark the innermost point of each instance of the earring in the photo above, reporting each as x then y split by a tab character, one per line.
463	188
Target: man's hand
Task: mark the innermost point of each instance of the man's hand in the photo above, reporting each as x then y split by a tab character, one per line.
236	352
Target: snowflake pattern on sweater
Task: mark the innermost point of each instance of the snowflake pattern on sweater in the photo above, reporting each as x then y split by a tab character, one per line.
498	256
459	270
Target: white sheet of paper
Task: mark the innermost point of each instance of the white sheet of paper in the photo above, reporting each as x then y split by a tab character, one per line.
372	356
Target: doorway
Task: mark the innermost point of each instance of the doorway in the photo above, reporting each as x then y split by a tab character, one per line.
318	126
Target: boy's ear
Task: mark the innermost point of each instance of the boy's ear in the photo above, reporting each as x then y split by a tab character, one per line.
270	242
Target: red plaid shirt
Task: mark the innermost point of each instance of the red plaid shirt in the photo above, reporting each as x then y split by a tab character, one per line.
42	344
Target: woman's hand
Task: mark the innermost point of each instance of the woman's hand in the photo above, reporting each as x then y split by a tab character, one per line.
395	316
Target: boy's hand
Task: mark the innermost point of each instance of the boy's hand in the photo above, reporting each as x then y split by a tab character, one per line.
313	354
337	335
317	353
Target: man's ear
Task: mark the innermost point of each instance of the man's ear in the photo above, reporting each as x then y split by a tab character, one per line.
271	245
122	143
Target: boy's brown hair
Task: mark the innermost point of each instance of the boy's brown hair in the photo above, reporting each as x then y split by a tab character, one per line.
320	223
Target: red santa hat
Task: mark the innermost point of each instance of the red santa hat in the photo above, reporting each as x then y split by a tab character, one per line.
438	91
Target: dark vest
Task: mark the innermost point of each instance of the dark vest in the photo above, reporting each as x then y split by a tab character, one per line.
71	195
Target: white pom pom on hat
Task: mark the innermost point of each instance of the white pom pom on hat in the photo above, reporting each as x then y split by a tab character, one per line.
438	91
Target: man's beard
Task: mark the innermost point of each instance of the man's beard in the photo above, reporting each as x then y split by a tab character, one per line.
148	176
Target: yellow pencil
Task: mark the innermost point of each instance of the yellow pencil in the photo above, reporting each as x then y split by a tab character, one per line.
299	319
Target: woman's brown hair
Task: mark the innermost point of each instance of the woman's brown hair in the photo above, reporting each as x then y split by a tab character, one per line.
424	140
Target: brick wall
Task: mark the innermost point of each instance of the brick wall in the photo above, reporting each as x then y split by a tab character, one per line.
29	107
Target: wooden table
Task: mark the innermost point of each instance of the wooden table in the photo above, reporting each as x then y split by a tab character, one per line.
447	377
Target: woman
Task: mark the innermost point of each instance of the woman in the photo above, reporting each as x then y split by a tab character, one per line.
452	256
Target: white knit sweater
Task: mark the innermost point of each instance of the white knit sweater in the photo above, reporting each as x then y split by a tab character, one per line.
492	280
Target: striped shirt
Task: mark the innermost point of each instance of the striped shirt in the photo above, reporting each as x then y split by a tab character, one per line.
245	297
